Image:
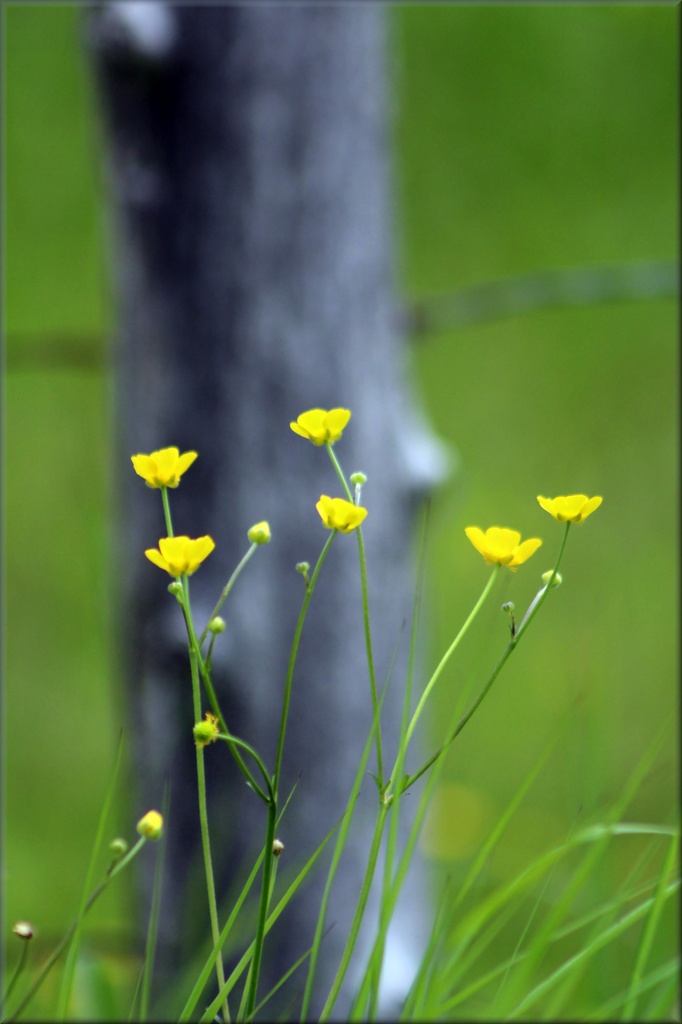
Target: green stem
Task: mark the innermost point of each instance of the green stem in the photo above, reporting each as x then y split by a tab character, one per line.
228	587
166	511
114	870
542	594
359	912
366	620
17	971
262	910
203	819
310	587
213	700
511	646
443	662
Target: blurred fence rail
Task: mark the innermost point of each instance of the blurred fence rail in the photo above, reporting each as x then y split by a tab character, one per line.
564	287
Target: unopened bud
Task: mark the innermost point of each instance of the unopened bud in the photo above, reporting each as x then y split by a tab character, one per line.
175	589
151	825
556	582
358	479
23	930
118	847
217	624
259	533
508	606
277	848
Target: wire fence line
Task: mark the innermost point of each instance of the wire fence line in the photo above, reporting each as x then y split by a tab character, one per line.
559	288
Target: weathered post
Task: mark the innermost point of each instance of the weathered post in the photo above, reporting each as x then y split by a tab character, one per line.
247	154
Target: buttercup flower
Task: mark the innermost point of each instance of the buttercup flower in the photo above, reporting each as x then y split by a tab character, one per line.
320	425
571	509
178	555
502	547
339	514
163	468
151	826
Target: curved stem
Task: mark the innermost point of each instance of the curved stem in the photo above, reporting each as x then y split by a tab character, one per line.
228	587
114	870
511	646
443	662
542	594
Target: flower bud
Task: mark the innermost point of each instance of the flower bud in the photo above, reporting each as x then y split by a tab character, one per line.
508	606
303	568
556	582
118	847
277	848
207	731
151	825
358	479
259	533
217	624
23	930
175	589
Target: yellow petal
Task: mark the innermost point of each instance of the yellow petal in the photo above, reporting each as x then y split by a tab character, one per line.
144	466
589	508
547	504
157	558
525	550
501	542
477	538
185	461
335	421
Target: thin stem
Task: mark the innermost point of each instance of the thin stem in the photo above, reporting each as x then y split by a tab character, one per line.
366	620
213	700
536	604
17	971
310	587
511	646
166	511
114	870
226	590
443	662
205	839
262	910
359	912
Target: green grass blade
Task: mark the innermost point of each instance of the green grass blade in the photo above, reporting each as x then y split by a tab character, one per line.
605	937
72	955
230	982
649	931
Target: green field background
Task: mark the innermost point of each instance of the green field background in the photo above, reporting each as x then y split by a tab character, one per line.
526	138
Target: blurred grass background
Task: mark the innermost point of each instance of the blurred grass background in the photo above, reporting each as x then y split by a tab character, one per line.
527	137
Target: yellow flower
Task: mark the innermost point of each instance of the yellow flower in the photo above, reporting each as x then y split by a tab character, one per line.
502	547
339	514
151	826
320	426
178	555
163	468
571	509
207	731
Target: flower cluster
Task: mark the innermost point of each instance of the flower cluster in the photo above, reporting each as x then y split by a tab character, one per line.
500	546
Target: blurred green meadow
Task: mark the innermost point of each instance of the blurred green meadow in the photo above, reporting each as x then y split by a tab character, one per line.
527	138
